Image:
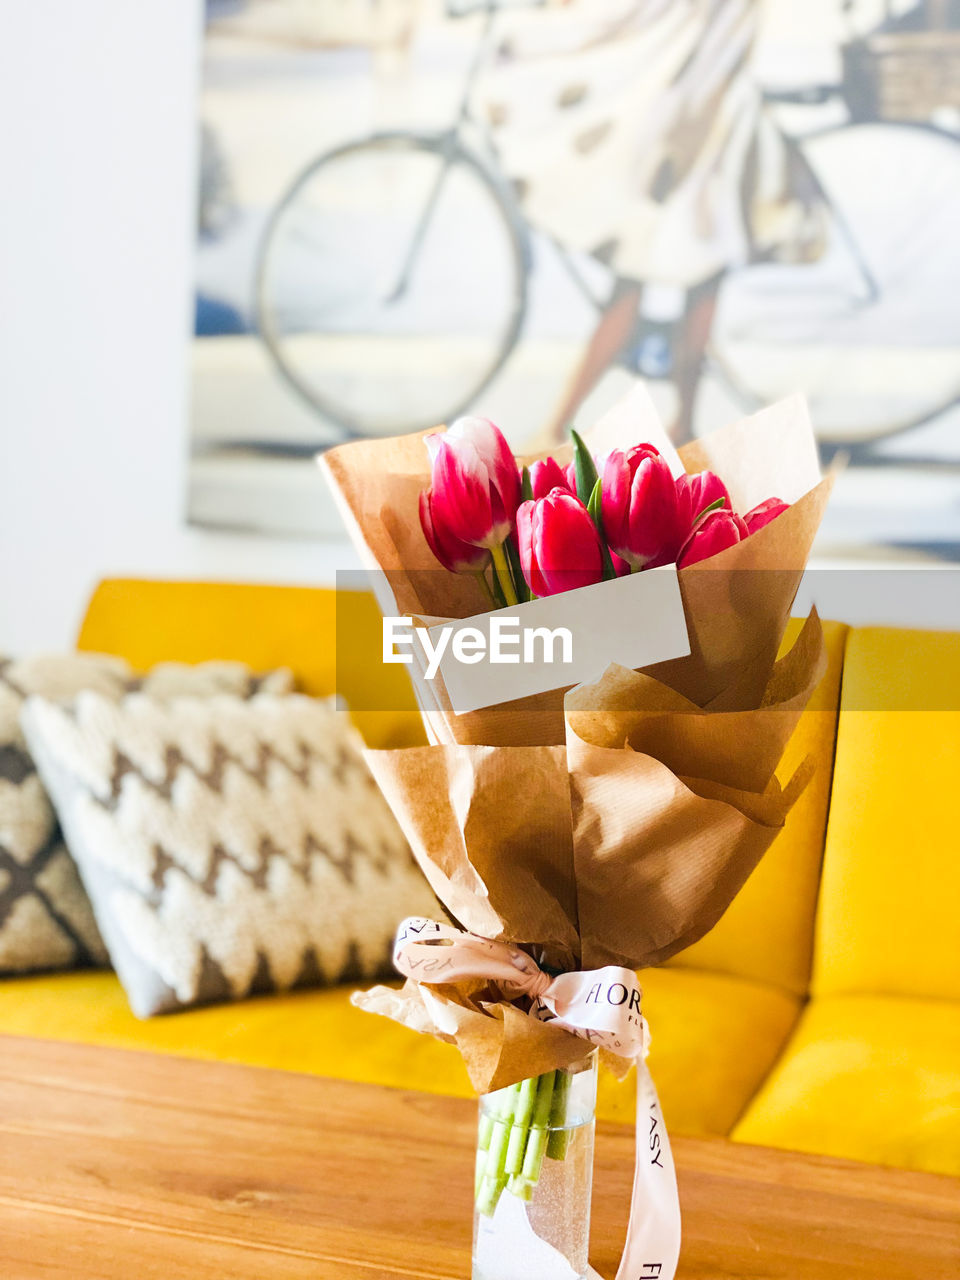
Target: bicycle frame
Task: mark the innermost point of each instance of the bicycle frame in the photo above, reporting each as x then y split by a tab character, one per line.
854	452
450	143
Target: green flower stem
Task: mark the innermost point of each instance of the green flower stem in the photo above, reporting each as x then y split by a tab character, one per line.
500	1133
537	1141
502	570
493	1179
481	577
559	1138
517	1145
486	1128
518	1127
488	1194
516	570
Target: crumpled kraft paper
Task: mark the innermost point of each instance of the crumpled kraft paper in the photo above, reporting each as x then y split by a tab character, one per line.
622	847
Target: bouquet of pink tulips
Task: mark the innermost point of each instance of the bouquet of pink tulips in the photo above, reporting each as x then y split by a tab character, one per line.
543	529
613	505
583	833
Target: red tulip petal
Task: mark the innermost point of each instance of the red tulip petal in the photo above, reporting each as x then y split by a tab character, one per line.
615	500
567	543
454	555
547	474
715	533
763	513
461	493
491	447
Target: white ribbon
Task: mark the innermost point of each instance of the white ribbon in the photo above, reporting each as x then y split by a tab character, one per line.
601	1006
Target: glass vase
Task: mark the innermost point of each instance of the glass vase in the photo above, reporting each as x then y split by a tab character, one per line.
534	1174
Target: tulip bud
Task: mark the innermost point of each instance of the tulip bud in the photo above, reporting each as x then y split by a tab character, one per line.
559	544
763	513
639	507
545	475
476	484
715	532
697	492
457	556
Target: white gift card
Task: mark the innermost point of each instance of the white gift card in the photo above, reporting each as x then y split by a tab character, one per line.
560	640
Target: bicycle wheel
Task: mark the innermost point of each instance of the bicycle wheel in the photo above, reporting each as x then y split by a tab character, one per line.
869	366
392	283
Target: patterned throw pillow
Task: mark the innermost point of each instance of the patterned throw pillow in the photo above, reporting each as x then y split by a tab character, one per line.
228	847
45	917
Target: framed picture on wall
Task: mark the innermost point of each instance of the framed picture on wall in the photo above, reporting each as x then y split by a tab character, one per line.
410	210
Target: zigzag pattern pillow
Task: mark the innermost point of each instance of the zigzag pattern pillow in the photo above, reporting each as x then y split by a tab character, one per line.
45	917
227	847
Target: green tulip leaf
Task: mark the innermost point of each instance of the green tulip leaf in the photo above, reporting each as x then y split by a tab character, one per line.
594	510
526	488
593	506
714	506
585	469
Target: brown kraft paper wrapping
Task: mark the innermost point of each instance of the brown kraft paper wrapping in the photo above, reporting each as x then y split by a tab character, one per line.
622	847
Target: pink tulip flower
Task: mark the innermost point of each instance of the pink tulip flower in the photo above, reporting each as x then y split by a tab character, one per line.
457	556
763	513
476	484
698	491
547	474
715	532
641	516
559	544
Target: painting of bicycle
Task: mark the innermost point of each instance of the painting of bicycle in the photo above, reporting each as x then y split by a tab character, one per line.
409	209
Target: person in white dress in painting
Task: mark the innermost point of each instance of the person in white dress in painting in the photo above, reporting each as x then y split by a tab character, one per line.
634	131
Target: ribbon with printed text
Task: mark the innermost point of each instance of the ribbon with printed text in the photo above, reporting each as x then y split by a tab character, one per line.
601	1006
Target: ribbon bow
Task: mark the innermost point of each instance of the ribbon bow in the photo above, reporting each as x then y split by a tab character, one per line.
599	1005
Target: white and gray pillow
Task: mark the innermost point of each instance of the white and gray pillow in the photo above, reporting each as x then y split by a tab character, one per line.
45	916
227	846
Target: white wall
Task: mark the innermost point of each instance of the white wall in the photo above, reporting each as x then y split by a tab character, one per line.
98	104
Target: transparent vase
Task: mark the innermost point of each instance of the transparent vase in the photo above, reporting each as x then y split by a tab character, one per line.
534	1174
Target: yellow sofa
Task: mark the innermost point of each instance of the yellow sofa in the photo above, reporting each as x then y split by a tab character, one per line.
822	1013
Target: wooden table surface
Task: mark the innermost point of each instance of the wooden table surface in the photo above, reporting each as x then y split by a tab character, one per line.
135	1166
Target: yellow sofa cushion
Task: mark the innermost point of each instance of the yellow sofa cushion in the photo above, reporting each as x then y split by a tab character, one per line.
713	1041
316	1031
888	920
264	626
870	1078
715	1038
767	933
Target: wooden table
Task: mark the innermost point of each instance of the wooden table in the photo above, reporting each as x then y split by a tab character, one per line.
134	1166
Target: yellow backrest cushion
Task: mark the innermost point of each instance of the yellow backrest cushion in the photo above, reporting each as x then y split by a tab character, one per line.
767	933
264	626
889	918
